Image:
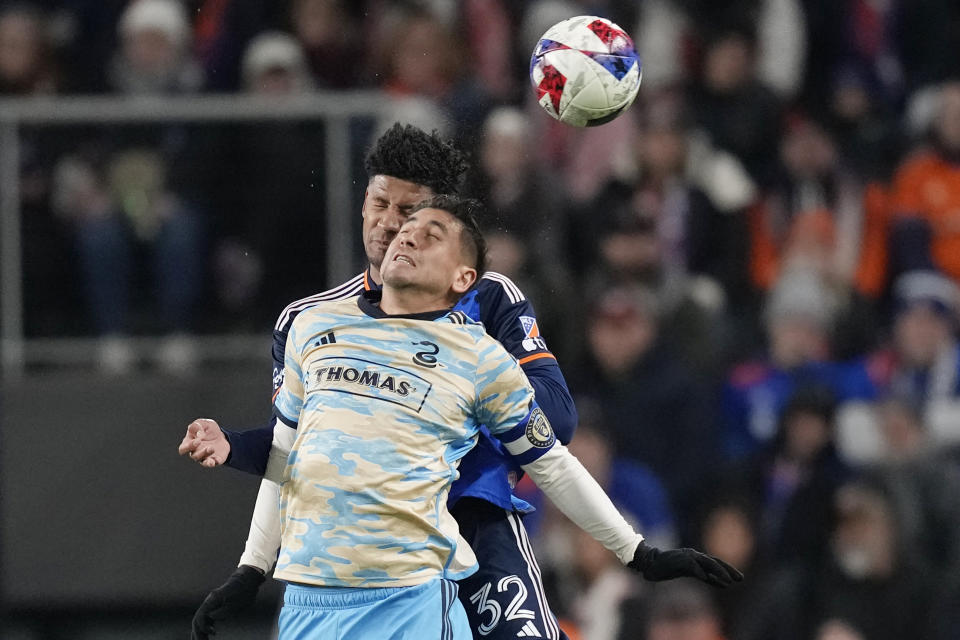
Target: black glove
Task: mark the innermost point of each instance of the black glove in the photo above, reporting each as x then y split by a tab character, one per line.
654	564
237	593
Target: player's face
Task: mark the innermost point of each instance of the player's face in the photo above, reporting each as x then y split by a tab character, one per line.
386	205
427	254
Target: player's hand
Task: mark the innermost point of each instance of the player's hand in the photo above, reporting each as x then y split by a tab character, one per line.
205	443
654	564
236	594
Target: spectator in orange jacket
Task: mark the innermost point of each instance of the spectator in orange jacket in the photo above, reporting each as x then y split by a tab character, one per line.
925	198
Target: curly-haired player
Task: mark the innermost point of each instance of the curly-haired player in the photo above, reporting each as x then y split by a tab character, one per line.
406	166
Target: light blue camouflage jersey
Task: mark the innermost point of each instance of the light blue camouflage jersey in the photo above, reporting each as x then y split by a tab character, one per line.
385	407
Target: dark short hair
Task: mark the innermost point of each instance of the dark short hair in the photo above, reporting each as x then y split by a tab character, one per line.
411	154
468	211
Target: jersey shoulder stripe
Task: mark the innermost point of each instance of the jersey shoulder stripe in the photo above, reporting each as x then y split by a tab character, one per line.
513	291
349	289
459	317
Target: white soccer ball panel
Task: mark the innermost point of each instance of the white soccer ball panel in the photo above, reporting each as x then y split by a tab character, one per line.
574	33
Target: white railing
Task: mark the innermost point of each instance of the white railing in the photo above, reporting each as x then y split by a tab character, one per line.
334	109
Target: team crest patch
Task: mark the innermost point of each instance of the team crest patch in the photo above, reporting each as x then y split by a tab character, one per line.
539	432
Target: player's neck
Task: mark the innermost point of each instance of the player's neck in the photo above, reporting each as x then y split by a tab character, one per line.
375	275
409	301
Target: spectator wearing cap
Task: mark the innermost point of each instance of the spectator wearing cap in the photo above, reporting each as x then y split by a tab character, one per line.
155	54
655	410
799	318
924	362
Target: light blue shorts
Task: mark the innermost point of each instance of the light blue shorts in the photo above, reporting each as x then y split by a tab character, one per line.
428	611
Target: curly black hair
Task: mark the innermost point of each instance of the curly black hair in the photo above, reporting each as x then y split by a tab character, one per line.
468	211
409	153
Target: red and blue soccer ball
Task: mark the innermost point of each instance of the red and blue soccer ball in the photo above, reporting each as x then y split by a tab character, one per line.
585	70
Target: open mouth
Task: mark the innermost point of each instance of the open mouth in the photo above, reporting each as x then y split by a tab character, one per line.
402	258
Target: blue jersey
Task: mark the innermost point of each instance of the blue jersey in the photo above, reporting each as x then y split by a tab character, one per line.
487	472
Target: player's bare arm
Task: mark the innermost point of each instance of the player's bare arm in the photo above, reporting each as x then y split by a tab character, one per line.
205	443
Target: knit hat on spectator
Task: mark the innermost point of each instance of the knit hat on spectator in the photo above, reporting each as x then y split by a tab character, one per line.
274	50
801	294
926	287
165	16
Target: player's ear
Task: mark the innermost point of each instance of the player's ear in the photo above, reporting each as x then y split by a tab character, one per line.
464	279
363	208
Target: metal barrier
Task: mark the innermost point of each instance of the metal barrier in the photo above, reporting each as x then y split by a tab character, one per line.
334	109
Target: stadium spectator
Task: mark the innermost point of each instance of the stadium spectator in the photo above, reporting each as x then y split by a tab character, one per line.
656	232
925	195
525	228
799	316
923	364
273	173
812	217
791	482
764	606
696	229
603	600
739	112
26	63
138	187
331	34
422	59
656	411
222	30
921	480
865	129
872	581
633	488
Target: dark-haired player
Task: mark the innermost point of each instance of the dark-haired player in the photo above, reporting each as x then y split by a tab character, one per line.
382	396
405	166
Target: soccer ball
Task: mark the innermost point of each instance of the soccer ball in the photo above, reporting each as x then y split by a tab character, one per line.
585	70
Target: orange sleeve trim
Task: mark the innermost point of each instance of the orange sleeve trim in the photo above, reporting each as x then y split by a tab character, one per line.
275	394
536	356
366	283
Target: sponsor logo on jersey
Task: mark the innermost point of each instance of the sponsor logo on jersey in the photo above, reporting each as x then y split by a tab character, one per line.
532	340
277	378
369	379
539	431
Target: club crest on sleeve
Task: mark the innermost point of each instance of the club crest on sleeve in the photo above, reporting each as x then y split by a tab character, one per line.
539	432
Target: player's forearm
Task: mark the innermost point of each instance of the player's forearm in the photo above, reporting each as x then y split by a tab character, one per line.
553	396
263	540
250	449
571	488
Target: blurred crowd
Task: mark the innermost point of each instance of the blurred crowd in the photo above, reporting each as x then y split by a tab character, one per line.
750	278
